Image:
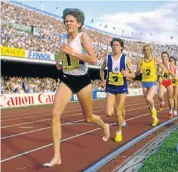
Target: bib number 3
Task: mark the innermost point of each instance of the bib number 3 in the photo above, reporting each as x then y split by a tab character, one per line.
116	79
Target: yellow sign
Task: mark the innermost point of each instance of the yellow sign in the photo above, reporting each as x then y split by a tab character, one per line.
14	52
116	79
69	62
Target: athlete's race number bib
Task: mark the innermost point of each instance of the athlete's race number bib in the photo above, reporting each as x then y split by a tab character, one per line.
116	79
174	81
69	62
147	73
166	76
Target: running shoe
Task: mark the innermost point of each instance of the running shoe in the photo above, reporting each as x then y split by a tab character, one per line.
155	122
118	137
161	106
170	115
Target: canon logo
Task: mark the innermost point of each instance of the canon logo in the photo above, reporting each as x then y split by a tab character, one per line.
45	98
6	100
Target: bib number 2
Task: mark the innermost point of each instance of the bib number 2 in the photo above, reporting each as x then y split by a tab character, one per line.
148	72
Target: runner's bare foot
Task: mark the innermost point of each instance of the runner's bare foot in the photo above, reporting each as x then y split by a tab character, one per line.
54	161
106	133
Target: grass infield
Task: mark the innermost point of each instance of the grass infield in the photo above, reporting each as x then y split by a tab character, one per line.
165	159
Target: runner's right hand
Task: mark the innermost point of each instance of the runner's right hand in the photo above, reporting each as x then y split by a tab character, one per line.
103	84
58	65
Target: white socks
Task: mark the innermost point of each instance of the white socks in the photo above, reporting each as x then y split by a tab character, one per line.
118	132
124	124
175	113
153	108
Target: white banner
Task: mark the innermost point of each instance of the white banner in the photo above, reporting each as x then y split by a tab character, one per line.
19	100
30	99
135	91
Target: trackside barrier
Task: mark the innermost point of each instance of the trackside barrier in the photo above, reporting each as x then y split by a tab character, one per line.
98	165
30	99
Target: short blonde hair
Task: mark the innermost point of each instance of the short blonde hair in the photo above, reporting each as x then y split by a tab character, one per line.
148	45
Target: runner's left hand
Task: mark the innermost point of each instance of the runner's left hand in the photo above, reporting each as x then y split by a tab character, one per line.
125	73
67	49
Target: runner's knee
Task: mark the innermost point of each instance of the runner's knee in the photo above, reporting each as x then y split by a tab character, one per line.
119	110
109	113
89	119
148	98
55	115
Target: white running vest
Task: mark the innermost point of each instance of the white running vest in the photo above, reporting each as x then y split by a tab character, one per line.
77	46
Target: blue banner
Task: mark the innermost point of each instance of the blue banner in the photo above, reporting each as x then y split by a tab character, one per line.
96	95
100	95
39	55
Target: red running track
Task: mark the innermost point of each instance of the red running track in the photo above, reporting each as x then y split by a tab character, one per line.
27	142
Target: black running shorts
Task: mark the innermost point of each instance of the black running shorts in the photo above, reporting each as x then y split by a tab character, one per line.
76	82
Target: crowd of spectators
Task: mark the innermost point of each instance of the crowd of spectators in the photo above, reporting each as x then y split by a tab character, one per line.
50	30
19	85
45	35
28	84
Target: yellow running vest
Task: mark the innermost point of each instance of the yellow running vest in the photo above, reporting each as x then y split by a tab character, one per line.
149	71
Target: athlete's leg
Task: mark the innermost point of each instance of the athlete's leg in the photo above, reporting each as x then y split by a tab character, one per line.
145	92
85	99
124	117
60	102
161	96
149	95
120	104
110	104
170	100
175	95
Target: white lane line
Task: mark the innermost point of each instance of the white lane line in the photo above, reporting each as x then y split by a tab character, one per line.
45	114
36	115
63	140
14	135
44	120
27	117
26	127
63	117
67	111
49	119
25	123
33	116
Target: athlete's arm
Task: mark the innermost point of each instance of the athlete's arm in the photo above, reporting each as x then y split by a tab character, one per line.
58	64
171	71
138	67
103	66
159	64
130	73
164	68
90	57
